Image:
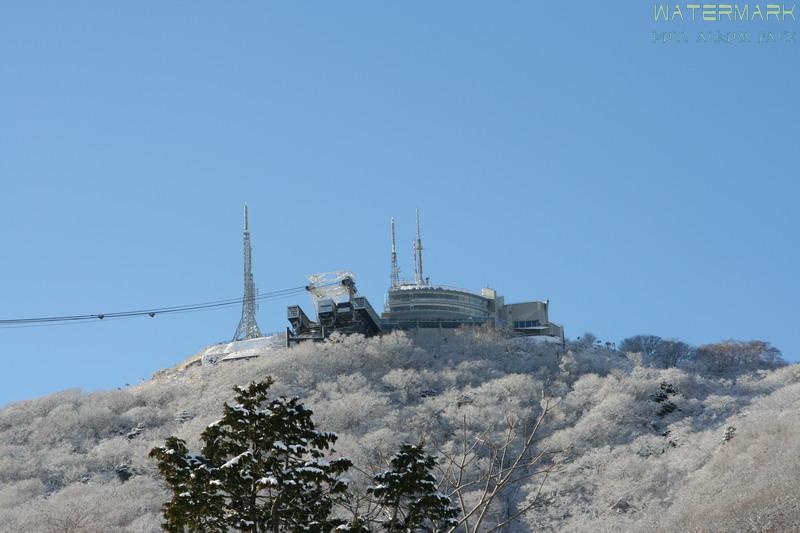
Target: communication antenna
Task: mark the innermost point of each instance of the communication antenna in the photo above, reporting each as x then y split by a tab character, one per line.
395	268
248	328
419	278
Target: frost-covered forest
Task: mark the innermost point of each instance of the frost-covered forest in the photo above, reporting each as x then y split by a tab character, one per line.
650	437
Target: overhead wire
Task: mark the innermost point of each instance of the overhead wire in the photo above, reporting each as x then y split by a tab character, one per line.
151	312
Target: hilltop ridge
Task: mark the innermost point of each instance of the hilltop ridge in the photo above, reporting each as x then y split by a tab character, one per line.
650	449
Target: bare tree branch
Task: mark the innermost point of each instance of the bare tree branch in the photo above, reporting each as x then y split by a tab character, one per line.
495	466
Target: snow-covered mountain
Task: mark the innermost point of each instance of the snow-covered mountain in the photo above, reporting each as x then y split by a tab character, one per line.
643	449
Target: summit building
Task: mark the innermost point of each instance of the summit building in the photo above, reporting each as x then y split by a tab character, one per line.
420	304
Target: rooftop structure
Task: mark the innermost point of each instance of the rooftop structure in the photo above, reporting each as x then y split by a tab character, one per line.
339	309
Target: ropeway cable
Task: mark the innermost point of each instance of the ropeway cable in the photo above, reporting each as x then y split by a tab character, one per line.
71	319
152	312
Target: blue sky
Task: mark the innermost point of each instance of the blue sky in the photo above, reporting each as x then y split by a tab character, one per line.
554	150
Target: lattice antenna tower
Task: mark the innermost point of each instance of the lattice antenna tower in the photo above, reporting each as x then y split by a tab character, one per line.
248	328
395	268
419	277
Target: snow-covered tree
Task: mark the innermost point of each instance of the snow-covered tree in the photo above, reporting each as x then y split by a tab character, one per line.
262	468
196	504
738	355
657	352
407	497
644	344
480	470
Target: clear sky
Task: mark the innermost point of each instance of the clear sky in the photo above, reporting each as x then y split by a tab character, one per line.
555	152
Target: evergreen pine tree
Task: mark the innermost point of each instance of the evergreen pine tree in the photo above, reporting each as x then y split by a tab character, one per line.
262	468
195	504
407	492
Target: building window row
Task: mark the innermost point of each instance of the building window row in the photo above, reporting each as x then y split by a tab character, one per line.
466	298
429	307
521	324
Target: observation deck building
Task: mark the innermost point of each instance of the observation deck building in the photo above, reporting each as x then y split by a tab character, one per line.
419	304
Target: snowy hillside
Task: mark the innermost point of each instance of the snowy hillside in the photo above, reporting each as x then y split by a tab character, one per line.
644	449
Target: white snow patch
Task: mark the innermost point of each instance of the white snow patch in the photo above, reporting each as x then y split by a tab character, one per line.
235	460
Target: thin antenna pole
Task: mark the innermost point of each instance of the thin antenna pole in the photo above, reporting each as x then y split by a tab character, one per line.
419	277
395	269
